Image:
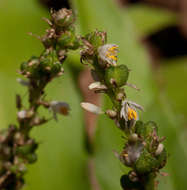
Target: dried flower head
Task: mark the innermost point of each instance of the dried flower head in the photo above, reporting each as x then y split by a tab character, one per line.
131	154
59	107
108	54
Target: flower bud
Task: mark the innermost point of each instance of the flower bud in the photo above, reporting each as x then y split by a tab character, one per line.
120	96
111	113
26	149
145	129
31	158
63	18
162	159
116	76
96	38
97	86
23	114
133	138
68	40
91	108
146	163
29	67
159	149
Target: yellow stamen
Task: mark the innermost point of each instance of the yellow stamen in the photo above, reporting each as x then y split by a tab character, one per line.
64	111
132	114
113	57
112	48
125	154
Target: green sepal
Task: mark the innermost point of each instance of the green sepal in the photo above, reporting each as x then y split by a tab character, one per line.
26	149
31	158
96	38
162	159
118	73
144	130
146	163
68	40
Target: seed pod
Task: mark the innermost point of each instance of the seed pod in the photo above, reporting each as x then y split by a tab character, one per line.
49	65
30	66
96	38
68	40
63	18
145	129
111	113
116	76
133	138
146	163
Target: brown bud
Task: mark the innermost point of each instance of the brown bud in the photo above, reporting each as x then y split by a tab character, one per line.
120	96
111	113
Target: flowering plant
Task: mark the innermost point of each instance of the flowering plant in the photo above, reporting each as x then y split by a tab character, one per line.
143	150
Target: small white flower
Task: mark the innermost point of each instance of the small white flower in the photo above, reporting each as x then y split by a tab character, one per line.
108	54
91	108
97	86
59	107
128	110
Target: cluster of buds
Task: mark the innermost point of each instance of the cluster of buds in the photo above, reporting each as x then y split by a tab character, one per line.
17	148
143	150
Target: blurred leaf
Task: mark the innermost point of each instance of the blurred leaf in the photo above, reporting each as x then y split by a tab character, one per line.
173	74
149	19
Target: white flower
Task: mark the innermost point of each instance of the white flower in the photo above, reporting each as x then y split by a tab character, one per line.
128	110
59	107
91	108
108	54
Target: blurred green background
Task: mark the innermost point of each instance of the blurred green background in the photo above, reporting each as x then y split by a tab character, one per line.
62	159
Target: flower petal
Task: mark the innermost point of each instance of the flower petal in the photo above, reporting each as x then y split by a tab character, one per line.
91	108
